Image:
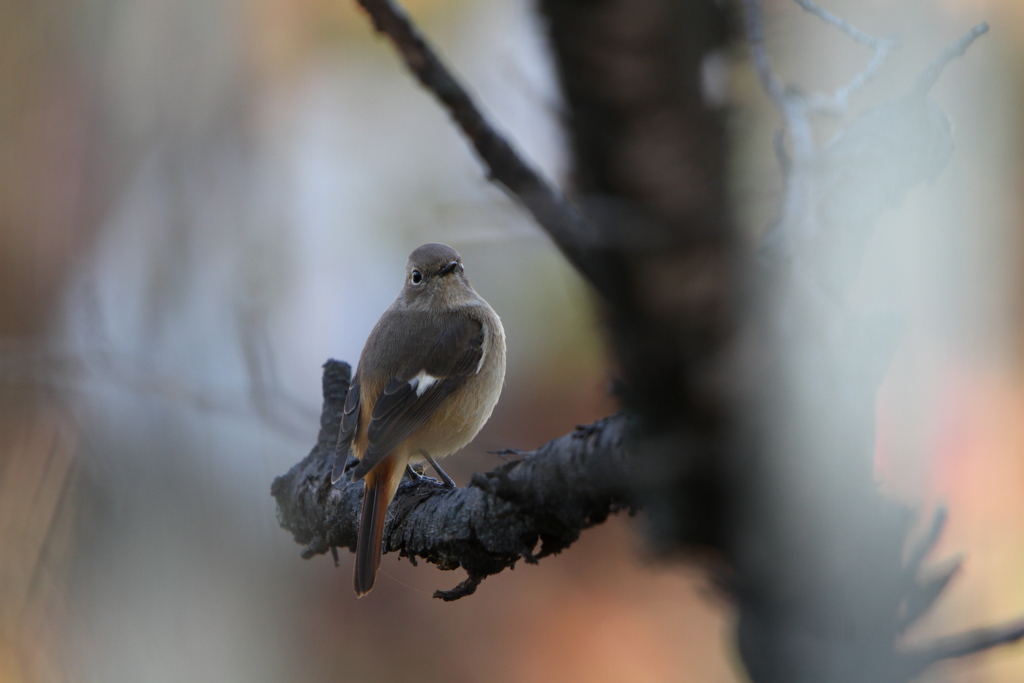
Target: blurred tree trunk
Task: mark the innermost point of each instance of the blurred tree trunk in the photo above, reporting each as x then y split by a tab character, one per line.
649	152
729	358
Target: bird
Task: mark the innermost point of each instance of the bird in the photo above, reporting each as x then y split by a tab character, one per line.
428	378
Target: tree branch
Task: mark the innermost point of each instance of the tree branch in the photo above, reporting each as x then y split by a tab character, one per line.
963	644
839	103
754	26
834	195
924	545
548	496
548	206
930	75
843	25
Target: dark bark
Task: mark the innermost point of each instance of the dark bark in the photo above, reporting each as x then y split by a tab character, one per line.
649	168
547	496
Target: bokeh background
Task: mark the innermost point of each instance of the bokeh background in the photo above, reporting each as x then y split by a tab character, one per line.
200	202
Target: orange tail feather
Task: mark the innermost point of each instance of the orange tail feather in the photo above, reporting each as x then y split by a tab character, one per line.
381	483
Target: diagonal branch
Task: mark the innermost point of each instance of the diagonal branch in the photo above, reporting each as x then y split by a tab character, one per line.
839	103
548	496
924	545
964	644
505	166
843	25
930	75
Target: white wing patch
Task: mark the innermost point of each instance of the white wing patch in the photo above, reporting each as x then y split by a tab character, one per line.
422	382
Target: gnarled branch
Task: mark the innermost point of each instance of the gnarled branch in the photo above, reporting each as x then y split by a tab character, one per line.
548	496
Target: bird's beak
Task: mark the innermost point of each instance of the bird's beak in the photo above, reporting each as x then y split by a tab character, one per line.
449	268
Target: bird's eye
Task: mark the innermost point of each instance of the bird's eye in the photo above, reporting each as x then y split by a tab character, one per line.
416	278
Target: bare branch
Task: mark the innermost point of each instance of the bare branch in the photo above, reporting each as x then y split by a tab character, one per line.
843	25
838	103
930	75
549	496
968	643
925	592
792	105
505	166
754	23
797	124
925	544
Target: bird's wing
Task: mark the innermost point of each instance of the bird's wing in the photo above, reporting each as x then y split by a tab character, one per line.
439	352
347	430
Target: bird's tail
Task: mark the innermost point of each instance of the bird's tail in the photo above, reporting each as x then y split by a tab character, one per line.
381	483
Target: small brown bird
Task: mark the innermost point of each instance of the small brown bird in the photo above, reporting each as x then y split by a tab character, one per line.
427	381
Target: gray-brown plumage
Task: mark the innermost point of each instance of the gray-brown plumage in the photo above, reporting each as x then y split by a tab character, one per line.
428	379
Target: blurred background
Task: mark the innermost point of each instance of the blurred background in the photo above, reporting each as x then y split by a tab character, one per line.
200	202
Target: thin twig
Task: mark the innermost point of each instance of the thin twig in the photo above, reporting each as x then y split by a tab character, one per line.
505	166
843	25
797	125
839	102
791	106
926	543
930	75
968	643
859	81
754	23
925	592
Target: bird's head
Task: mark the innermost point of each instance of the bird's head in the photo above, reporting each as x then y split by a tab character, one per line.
435	276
